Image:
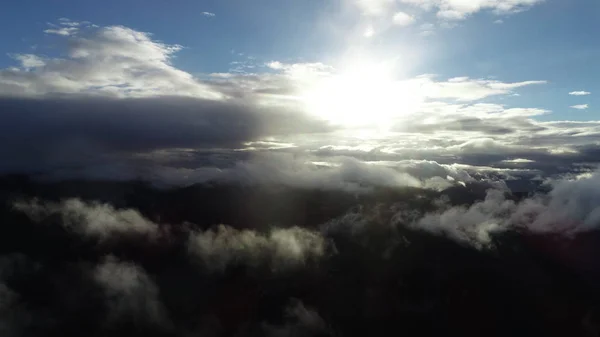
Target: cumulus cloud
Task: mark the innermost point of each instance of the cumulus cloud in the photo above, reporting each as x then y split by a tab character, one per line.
107	61
94	220
568	209
281	248
580	106
579	93
403	19
571	207
472	224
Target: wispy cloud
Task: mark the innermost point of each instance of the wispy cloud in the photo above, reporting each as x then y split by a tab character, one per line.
460	10
68	22
579	93
208	14
64	31
580	106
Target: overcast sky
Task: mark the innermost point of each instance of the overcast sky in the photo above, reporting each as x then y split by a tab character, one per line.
108	87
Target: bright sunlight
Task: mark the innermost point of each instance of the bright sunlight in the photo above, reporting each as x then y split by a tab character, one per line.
363	95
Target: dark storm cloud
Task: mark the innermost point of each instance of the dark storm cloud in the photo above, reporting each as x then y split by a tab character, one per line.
36	132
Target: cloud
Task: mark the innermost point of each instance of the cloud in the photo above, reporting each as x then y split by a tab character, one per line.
580	106
474	224
460	10
403	19
300	321
274	169
499	22
13	318
29	61
518	161
119	78
209	14
280	248
131	294
70	23
95	220
568	209
579	93
374	7
64	31
88	132
571	207
467	89
106	61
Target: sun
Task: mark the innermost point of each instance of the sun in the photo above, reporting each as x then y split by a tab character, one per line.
362	95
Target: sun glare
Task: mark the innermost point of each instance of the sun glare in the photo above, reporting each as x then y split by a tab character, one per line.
362	95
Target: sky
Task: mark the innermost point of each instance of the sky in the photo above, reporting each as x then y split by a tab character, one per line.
439	107
502	84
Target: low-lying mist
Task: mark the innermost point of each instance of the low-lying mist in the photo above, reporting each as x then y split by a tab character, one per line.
100	258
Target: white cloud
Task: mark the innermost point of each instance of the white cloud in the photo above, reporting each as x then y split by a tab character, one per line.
467	89
571	207
94	220
374	7
208	14
579	93
499	22
518	161
110	61
451	14
280	248
474	224
580	106
69	23
461	9
403	19
29	60
273	169
64	31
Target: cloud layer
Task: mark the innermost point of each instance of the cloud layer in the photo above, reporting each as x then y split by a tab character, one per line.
115	107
